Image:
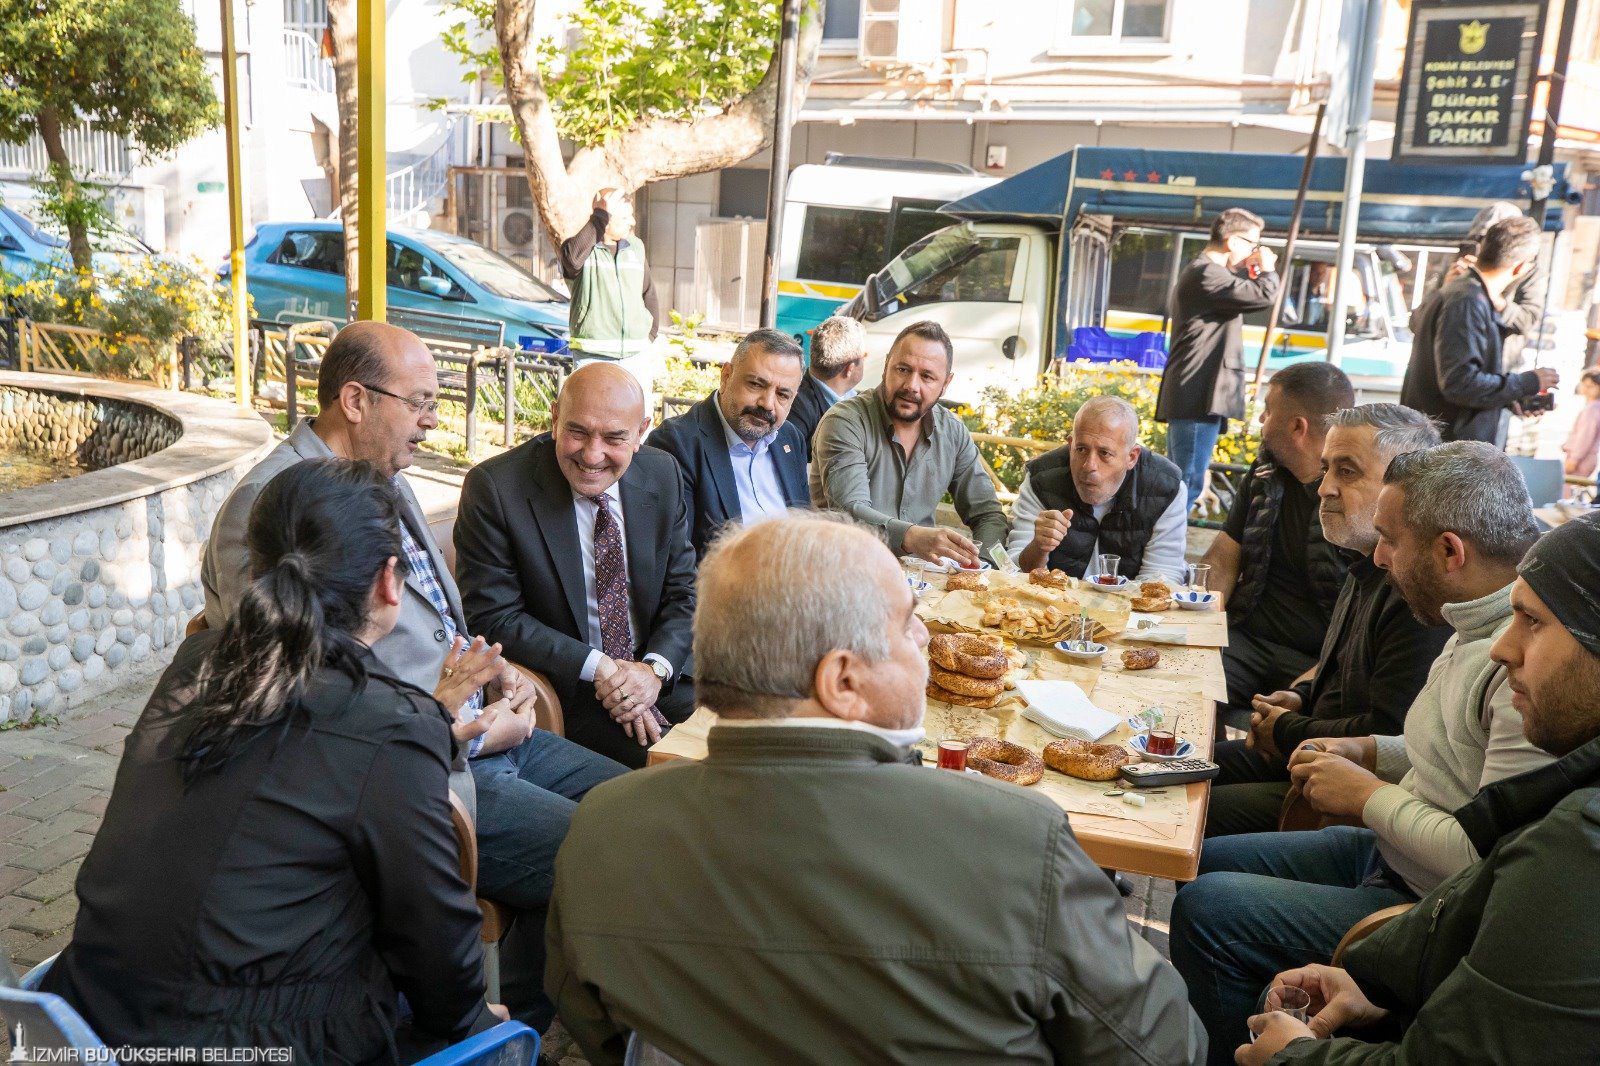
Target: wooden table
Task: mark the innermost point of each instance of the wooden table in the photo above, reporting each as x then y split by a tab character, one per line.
1113	841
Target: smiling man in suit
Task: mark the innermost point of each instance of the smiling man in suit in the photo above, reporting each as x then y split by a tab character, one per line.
573	553
740	458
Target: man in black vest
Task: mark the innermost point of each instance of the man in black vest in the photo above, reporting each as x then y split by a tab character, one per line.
1101	492
1278	577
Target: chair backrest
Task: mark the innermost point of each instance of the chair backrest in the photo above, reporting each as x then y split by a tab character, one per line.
507	1044
43	1020
1545	478
1366	927
466	840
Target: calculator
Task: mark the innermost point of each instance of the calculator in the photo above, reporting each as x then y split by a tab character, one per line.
1178	772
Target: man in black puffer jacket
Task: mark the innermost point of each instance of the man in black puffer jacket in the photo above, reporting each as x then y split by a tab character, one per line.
1101	493
1501	963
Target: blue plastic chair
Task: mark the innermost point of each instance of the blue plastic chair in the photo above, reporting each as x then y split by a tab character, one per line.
507	1044
1545	478
40	1020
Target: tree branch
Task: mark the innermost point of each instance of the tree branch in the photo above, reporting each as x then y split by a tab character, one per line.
652	150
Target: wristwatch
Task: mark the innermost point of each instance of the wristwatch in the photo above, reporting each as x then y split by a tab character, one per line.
660	669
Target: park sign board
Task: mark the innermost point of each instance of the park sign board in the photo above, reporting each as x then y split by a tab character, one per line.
1467	91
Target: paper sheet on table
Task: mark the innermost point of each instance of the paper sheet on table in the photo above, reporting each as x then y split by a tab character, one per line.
1063	709
1194	629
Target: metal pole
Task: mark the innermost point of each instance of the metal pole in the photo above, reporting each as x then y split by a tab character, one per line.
788	48
1288	245
371	224
236	279
1552	102
1355	166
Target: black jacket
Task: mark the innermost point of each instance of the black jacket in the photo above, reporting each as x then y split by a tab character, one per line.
1501	963
1262	497
522	582
1375	660
696	439
1124	530
1456	373
286	898
811	402
1204	377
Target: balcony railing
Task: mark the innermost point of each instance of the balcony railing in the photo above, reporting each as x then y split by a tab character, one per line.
304	65
94	154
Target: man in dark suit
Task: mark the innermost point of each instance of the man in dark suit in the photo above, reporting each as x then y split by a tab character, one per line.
740	459
838	361
573	552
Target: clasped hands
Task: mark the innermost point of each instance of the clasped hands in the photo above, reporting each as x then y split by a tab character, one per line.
468	667
1336	1002
628	691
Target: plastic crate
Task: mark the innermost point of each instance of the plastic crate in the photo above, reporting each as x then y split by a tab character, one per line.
1096	345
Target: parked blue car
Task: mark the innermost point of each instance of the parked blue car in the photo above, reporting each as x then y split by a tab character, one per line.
295	273
26	248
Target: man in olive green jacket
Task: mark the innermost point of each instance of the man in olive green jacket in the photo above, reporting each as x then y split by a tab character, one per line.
1501	963
806	895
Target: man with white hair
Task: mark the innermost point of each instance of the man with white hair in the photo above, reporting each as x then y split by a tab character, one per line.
1376	654
1101	492
838	361
811	897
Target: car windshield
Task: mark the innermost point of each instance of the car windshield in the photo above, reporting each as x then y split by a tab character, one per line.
49	234
934	254
495	272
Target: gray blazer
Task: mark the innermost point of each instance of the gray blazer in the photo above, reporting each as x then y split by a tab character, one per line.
414	650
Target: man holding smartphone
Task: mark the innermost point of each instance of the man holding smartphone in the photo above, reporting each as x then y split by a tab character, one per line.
1203	384
1457	372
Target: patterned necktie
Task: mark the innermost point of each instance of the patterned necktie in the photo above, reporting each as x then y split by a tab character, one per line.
611	588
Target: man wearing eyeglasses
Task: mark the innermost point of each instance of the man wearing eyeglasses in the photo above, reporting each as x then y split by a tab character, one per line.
1203	384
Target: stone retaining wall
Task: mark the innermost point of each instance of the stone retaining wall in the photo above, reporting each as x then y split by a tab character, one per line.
100	573
91	432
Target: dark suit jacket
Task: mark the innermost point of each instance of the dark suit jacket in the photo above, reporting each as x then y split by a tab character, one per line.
810	404
697	441
521	571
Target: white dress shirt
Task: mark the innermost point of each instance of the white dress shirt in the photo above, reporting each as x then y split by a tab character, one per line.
1163	555
755	474
586	512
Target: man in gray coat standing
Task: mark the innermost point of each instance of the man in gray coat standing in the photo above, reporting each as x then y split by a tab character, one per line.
810	896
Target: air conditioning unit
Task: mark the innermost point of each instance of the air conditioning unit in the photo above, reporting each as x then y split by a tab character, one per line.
901	33
516	235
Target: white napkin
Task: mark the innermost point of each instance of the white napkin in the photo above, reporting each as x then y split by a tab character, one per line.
1160	633
1061	708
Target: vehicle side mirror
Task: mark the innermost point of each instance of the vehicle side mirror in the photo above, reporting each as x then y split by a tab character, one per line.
8	243
436	286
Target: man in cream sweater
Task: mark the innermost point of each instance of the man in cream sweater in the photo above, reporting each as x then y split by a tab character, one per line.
1454	521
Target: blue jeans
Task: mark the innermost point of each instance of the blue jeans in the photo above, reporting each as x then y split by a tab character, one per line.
526	797
1190	442
1265	903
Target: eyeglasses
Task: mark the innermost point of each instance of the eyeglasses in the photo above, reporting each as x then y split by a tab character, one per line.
417	406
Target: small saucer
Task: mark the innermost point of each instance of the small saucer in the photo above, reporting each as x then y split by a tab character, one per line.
918	587
1191	600
1087	651
1096	583
1185	750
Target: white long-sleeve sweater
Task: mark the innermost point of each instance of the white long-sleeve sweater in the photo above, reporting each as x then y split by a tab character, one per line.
1448	752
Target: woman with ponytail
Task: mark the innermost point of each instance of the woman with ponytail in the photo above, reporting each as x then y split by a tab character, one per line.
276	864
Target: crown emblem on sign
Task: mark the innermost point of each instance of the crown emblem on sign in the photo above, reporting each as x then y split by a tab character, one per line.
1474	35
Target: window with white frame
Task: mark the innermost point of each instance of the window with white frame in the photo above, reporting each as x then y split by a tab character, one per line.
1107	23
841	23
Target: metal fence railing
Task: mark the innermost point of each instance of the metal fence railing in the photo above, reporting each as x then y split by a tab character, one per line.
303	62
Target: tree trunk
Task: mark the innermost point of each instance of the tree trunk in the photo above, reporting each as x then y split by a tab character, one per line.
67	188
653	150
342	28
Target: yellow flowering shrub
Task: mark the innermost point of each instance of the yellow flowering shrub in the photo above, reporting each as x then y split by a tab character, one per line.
142	310
1045	413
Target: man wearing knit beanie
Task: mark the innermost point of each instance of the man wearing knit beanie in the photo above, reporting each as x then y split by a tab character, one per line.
1500	963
